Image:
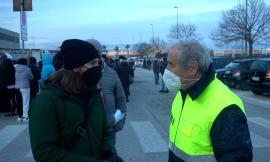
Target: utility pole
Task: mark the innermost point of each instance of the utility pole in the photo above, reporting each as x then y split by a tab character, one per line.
177	26
153	39
22	14
246	28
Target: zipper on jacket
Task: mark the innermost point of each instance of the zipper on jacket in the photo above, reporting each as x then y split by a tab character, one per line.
184	100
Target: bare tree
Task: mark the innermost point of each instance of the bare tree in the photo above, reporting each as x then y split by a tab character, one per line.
117	50
158	45
248	22
185	31
127	47
143	49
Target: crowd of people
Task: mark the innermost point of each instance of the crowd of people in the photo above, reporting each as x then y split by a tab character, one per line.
82	104
78	80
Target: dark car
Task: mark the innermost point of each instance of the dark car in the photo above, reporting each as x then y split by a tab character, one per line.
259	76
221	62
237	73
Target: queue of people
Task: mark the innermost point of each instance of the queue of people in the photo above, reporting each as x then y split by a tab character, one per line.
82	106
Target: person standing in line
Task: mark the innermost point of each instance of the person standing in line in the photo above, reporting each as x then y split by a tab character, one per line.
7	81
34	85
156	70
113	94
67	119
163	66
23	77
10	82
47	67
124	71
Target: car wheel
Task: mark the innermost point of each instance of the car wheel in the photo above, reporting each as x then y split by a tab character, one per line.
257	92
243	85
231	84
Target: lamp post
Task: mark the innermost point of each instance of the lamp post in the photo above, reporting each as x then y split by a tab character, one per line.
22	15
153	38
177	30
246	26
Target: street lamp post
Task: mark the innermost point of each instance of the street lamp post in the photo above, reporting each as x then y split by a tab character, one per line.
177	30
246	26
22	14
153	41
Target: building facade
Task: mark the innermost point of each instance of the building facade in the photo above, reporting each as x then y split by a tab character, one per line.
9	39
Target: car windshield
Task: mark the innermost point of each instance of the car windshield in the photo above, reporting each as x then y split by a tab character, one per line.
220	62
260	65
232	65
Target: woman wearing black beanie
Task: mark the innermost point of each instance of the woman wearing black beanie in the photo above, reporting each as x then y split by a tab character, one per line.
67	119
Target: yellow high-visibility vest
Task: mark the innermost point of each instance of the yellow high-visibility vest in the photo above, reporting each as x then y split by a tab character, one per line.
191	121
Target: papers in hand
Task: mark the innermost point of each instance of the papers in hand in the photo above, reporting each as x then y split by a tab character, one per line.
118	116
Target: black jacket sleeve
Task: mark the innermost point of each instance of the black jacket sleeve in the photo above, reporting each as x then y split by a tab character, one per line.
230	136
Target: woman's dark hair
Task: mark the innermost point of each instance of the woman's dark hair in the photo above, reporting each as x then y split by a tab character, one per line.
22	61
33	61
70	81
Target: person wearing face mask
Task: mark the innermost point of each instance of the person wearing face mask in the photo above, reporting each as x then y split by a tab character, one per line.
67	120
208	121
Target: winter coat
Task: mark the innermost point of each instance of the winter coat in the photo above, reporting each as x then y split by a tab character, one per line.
229	133
7	73
10	73
23	76
114	97
54	115
124	71
156	67
36	73
2	74
47	67
163	66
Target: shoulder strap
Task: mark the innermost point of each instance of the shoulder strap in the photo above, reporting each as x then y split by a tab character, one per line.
81	129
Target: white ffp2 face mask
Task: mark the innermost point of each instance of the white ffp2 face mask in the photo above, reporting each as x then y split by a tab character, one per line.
171	80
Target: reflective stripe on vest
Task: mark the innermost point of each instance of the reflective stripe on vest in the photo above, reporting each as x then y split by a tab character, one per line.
188	158
191	123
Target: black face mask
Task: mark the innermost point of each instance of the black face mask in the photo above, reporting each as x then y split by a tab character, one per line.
92	76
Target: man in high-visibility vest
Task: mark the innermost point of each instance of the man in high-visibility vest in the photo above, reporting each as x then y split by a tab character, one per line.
208	121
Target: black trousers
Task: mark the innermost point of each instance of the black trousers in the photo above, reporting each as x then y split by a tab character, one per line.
126	91
15	99
4	101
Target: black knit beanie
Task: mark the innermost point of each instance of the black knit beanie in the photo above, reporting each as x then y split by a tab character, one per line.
77	53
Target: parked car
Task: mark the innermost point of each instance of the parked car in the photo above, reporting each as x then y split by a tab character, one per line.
139	63
237	73
259	76
220	73
221	62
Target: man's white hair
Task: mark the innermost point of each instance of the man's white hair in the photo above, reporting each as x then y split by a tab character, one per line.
193	51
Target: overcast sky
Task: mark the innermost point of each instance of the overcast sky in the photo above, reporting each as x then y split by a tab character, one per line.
112	21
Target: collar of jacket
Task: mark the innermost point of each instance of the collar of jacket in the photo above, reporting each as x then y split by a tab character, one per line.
79	98
196	90
55	86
